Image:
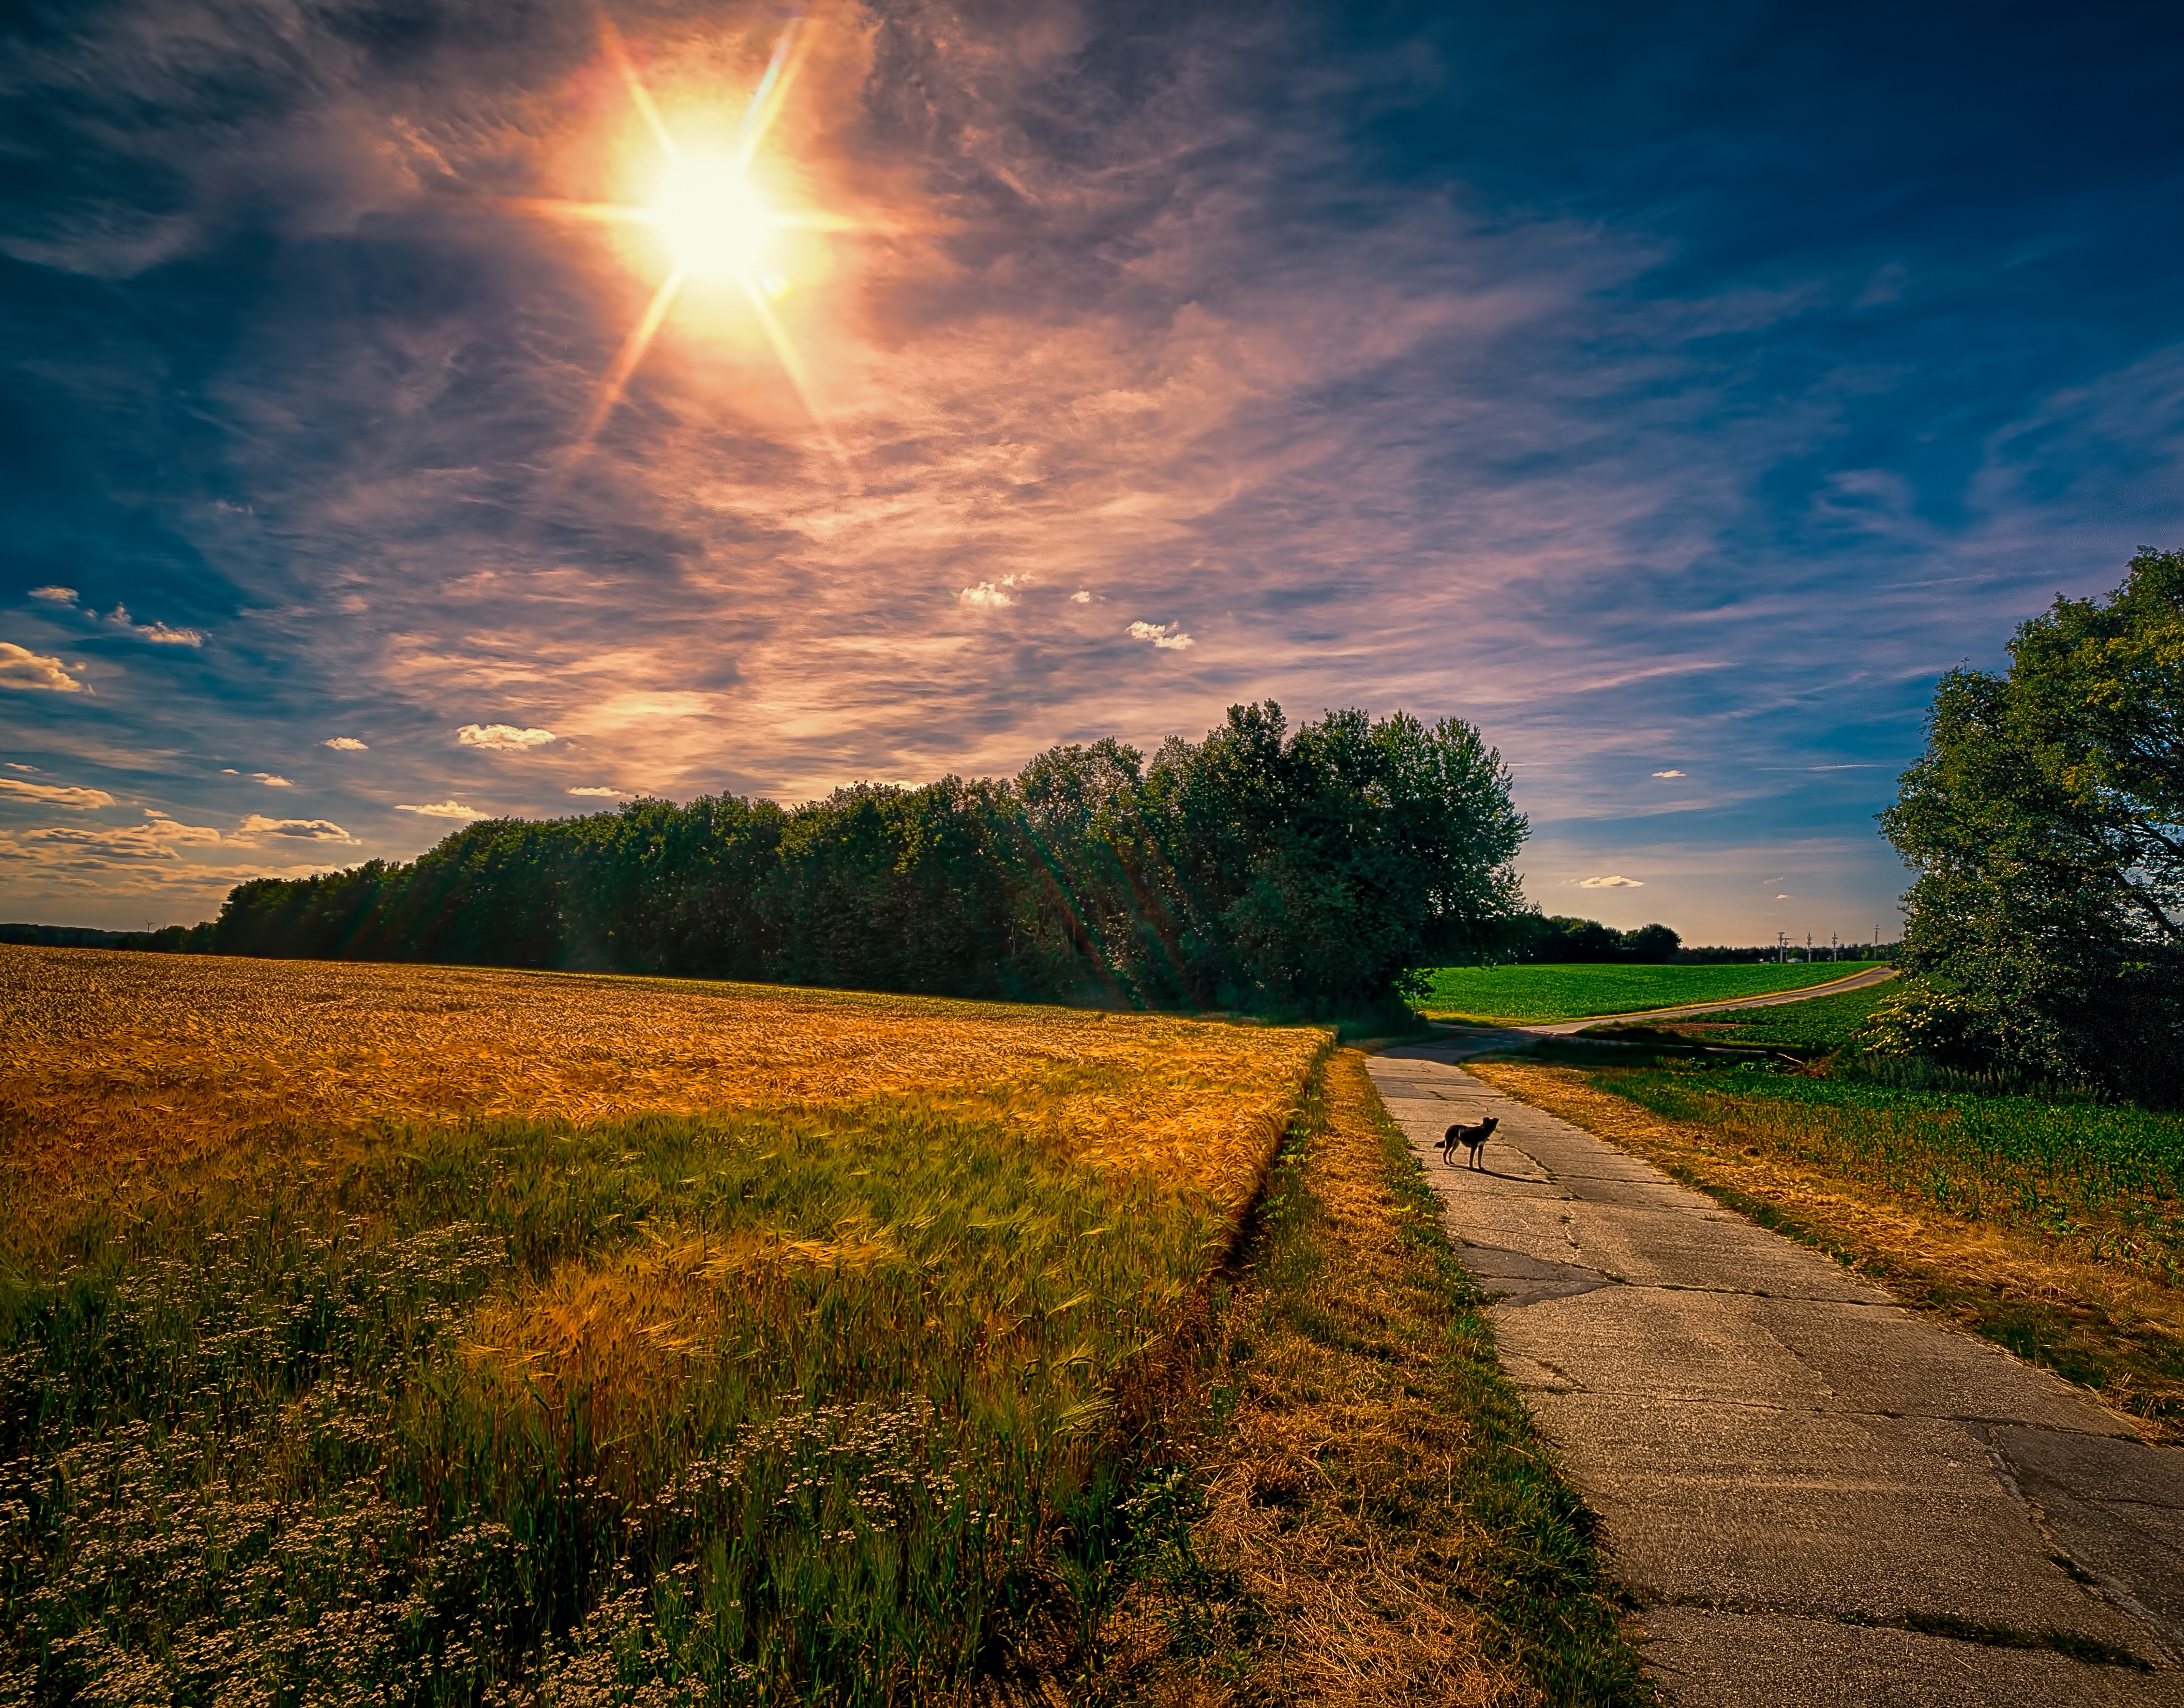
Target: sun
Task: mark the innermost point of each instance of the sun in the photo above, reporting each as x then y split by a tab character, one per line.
716	224
713	218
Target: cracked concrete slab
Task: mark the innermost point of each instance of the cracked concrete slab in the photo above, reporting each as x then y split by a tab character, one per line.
1776	1446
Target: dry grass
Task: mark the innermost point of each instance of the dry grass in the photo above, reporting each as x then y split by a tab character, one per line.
119	1061
1381	1526
2093	1321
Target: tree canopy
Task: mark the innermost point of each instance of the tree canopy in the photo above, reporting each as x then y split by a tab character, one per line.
2045	825
1265	867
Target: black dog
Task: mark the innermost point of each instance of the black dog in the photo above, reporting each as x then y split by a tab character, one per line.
1473	1136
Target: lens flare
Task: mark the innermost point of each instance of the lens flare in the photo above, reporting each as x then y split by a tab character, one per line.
716	225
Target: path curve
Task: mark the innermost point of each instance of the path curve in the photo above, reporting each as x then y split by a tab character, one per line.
1563	1028
1788	1462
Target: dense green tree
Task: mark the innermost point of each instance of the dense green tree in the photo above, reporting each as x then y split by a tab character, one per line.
1651	943
2045	825
1264	867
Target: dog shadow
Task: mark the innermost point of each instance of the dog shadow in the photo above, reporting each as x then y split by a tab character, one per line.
1454	1167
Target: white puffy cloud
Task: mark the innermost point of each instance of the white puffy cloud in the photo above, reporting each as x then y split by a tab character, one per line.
443	809
1168	637
54	795
345	744
54	596
602	793
272	781
1613	881
1083	596
1667	774
21	668
985	596
502	738
299	830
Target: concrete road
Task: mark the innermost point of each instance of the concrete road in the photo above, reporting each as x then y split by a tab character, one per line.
1788	1462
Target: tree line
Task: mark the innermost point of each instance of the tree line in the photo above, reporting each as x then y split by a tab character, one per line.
1267	867
2044	824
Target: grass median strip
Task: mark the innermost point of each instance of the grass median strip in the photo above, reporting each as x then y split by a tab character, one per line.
2056	1230
1371	1516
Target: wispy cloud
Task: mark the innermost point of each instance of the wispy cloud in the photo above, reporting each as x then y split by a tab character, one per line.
1613	881
1667	774
598	792
272	779
54	596
157	633
443	809
1410	385
158	837
54	794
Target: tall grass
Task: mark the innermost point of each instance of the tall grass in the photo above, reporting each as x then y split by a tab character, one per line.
2106	1180
802	1402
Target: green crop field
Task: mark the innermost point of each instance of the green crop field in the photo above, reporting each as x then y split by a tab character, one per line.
1825	1022
580	1340
1500	995
2108	1181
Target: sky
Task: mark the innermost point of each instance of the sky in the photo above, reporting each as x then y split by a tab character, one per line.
411	416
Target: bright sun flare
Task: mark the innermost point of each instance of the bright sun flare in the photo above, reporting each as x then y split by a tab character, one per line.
714	223
718	225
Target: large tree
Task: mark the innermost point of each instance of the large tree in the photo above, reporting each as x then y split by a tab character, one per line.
2045	823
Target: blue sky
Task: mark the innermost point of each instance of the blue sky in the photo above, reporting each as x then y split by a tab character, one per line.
1674	392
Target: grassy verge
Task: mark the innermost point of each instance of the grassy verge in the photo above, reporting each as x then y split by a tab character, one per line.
802	1403
1502	995
1367	1515
2055	1229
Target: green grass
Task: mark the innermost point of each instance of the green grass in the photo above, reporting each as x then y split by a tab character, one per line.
1825	1022
1502	995
802	1404
2106	1180
1820	1024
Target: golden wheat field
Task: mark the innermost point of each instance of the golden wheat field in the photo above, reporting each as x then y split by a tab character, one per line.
438	1335
117	1062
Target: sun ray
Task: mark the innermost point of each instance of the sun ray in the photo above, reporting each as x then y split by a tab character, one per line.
610	40
716	224
766	100
600	213
633	350
784	352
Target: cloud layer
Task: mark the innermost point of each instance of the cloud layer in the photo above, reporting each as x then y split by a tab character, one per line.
1512	364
